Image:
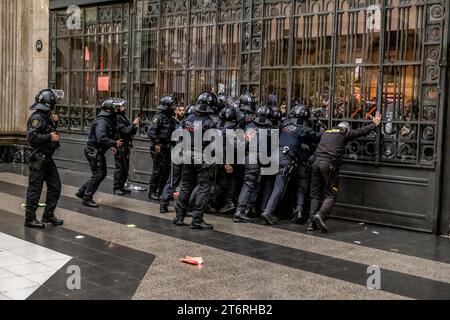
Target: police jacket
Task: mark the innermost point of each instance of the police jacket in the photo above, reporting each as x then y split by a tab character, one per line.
195	123
297	140
39	127
102	134
161	128
125	129
230	141
333	142
245	118
254	147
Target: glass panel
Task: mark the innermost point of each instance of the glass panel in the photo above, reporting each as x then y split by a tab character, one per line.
77	53
274	87
62	54
76	86
149	49
404	37
103	52
312	88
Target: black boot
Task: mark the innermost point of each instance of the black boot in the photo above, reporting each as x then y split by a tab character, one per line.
153	196
202	225
119	192
179	219
227	207
241	216
211	210
269	217
298	218
319	219
34	224
312	226
89	202
163	208
53	221
80	194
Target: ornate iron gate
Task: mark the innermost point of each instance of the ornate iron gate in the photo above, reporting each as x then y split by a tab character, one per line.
343	58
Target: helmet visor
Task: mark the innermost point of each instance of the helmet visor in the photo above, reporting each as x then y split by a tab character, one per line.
119	103
59	95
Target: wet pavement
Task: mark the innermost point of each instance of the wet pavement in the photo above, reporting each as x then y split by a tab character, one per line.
126	249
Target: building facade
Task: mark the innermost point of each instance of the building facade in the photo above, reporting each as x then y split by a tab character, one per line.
345	59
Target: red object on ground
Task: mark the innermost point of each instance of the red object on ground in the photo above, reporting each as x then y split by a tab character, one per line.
196	261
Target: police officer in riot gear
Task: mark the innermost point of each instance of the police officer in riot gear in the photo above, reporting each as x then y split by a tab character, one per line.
160	133
249	192
43	138
296	141
195	170
175	174
247	110
226	173
126	130
277	117
102	137
325	169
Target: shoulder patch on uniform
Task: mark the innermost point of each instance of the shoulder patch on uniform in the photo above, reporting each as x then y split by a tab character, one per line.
35	123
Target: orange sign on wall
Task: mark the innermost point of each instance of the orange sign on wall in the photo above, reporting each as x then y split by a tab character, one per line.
103	83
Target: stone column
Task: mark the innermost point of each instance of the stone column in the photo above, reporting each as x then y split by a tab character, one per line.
23	70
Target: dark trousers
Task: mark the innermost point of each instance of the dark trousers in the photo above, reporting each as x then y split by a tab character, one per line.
249	192
303	182
172	183
265	189
98	174
40	172
324	187
122	161
161	170
224	190
191	174
281	180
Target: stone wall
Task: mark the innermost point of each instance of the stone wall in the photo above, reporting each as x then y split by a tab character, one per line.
23	70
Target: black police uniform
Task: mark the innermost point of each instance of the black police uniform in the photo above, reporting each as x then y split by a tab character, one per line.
325	170
249	193
247	110
126	131
102	136
42	169
174	178
295	144
225	191
195	170
160	133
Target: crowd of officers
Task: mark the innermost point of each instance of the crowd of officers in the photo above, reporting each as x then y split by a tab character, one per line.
305	186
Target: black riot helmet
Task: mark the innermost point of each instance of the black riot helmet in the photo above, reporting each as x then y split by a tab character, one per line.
264	116
301	112
207	103
47	99
111	105
168	103
276	117
228	117
247	102
222	101
190	109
